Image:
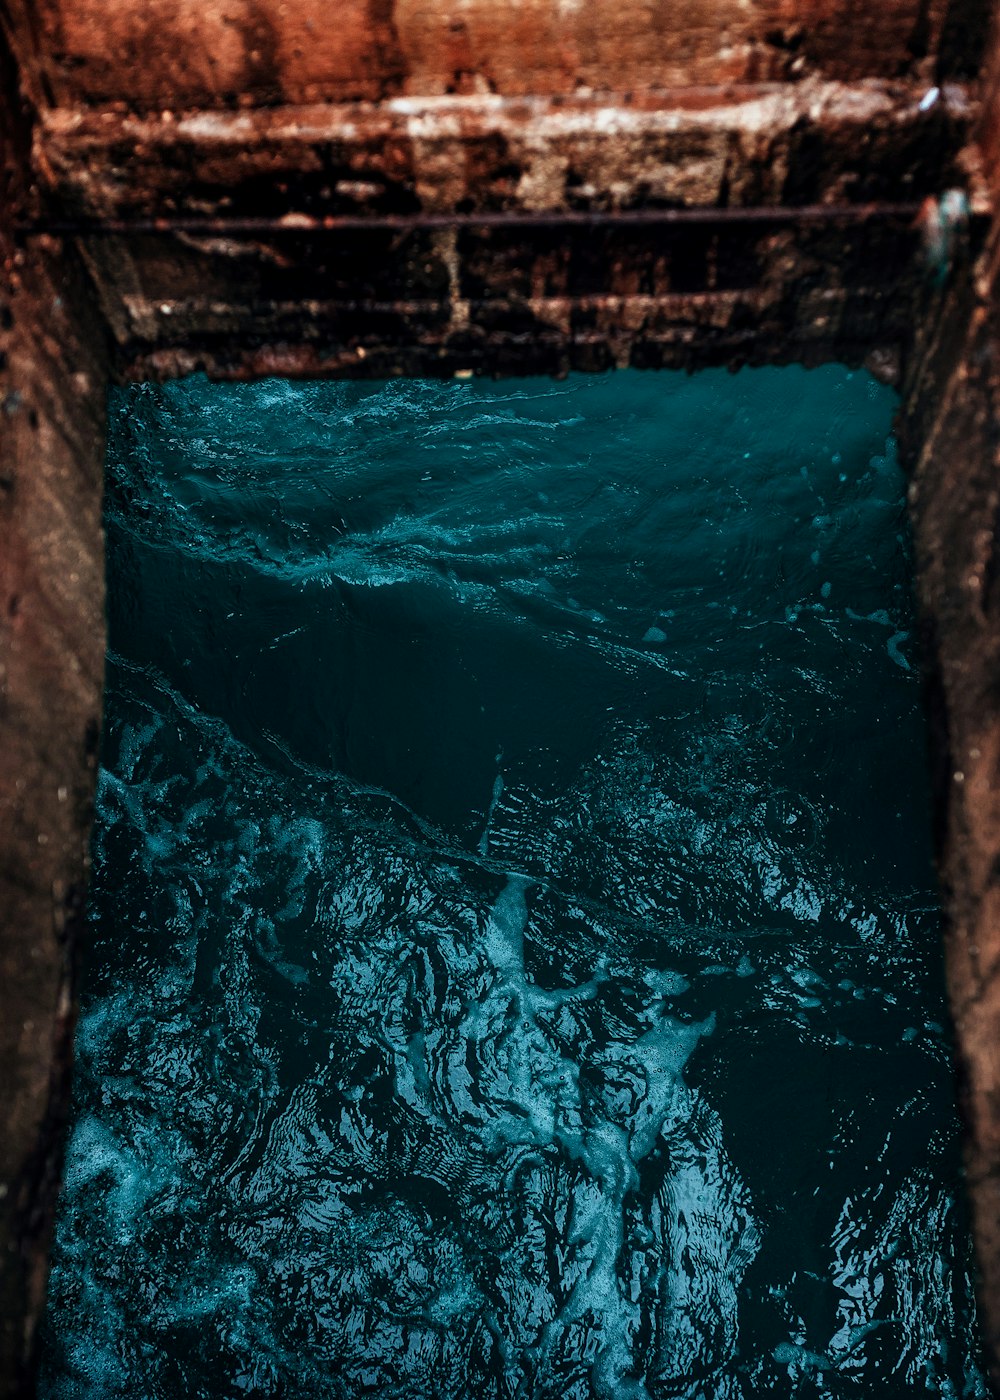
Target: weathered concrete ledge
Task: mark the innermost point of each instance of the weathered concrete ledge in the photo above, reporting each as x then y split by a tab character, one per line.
377	299
723	146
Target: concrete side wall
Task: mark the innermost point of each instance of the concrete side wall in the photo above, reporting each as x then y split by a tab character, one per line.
950	434
956	513
52	392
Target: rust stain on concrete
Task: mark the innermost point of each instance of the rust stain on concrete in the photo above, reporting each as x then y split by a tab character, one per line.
228	52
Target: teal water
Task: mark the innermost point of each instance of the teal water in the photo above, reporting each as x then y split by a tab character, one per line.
515	963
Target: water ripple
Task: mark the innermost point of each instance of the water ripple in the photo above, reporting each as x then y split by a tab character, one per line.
514	965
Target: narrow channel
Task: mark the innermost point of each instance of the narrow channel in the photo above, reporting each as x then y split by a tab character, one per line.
515	960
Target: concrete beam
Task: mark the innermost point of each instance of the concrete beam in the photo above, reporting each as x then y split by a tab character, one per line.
718	146
508	300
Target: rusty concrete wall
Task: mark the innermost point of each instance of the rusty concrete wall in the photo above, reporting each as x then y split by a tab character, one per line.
211	53
950	438
404	110
394	294
956	513
52	387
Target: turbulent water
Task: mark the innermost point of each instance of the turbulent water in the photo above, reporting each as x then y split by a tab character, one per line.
514	965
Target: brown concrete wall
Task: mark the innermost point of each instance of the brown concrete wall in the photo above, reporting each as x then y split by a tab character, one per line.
505	301
210	53
52	388
956	513
383	298
735	147
950	436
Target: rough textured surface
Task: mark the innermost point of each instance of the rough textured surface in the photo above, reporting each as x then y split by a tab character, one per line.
52	376
225	52
951	437
733	146
546	301
956	505
384	300
380	301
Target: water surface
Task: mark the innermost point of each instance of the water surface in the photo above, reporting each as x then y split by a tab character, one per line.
515	964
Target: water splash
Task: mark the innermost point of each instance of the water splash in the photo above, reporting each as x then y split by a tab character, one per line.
515	964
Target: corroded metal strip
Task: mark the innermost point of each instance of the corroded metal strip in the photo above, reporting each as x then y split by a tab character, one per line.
298	223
